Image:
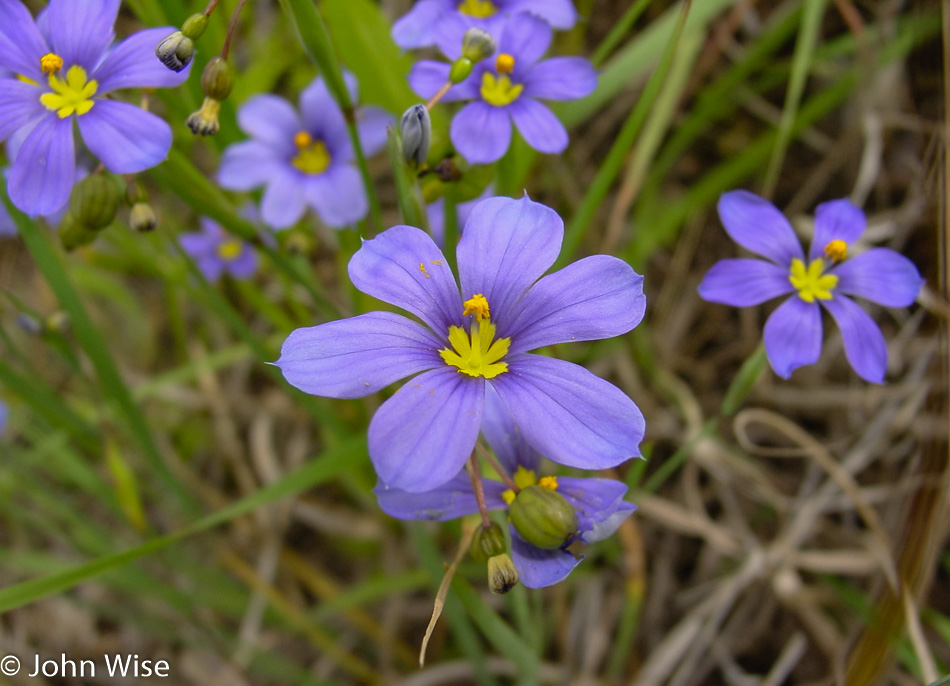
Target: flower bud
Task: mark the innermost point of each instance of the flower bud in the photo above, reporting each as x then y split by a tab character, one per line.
543	517
194	26
478	44
502	575
204	122
58	322
94	202
216	79
461	68
142	217
488	543
73	234
175	51
416	129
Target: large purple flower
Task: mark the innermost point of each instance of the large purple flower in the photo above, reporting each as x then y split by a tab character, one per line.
423	24
304	159
793	332
216	252
506	88
598	503
421	437
65	67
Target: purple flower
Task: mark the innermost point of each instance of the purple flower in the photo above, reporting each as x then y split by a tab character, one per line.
8	226
421	437
505	88
216	251
598	503
423	24
4	413
793	331
65	67
304	160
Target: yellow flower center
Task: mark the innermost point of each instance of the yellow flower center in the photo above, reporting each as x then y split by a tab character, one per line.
478	354
229	250
477	305
312	156
505	64
72	94
526	477
477	8
811	283
50	63
836	251
499	92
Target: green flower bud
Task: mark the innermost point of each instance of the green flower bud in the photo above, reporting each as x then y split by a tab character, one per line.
543	517
416	130
478	44
502	575
175	51
216	79
94	201
461	68
142	217
488	543
204	122
74	234
58	322
194	26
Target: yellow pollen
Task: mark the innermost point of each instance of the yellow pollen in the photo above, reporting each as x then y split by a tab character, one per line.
229	250
422	268
74	94
478	354
313	157
508	496
811	283
505	64
549	482
499	92
481	9
837	250
50	63
477	305
524	477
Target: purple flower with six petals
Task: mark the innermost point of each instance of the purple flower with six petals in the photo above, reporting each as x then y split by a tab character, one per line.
65	66
422	435
793	332
505	88
216	252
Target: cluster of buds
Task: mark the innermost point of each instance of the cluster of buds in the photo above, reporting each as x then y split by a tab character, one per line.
477	44
93	204
177	49
216	84
488	546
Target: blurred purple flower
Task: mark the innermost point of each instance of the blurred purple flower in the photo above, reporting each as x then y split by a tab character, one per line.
436	214
304	160
505	88
65	66
4	413
598	503
216	251
421	26
793	332
422	435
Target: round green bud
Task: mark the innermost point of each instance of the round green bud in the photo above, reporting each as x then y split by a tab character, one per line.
216	79
461	68
73	234
194	26
543	517
175	51
142	217
488	543
478	44
94	201
502	575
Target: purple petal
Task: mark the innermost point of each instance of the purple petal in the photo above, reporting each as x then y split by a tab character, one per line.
45	167
598	503
881	276
351	358
757	225
415	28
196	244
132	64
337	195
538	568
244	265
7	228
125	138
284	200
451	500
403	267
272	120
372	122
538	126
506	246
19	103
836	220
250	164
80	32
744	282
211	266
21	44
504	436
526	37
793	336
569	415
596	297
422	436
320	114
481	132
450	31
863	341
560	78
560	14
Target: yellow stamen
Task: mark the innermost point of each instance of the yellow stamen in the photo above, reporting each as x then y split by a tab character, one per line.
477	305
508	496
303	140
505	64
549	482
524	477
499	92
836	250
811	283
477	8
230	249
26	79
479	354
74	94
50	63
313	157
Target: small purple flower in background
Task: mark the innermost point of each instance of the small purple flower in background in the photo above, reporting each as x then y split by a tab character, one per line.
4	413
598	503
421	26
216	251
422	435
65	66
793	332
304	160
505	88
436	214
